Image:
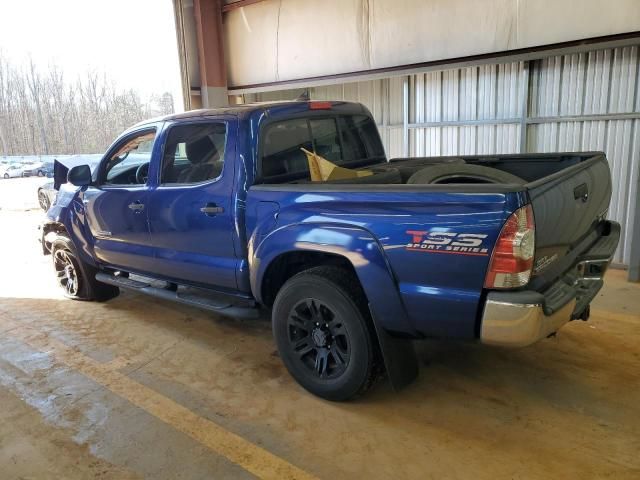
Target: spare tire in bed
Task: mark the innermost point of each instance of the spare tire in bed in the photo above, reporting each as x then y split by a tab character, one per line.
380	176
461	173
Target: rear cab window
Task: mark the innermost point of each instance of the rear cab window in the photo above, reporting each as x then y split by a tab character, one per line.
350	141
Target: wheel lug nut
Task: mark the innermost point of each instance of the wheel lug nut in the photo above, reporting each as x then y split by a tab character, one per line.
317	324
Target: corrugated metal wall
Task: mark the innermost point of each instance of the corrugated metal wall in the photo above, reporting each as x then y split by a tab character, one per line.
579	102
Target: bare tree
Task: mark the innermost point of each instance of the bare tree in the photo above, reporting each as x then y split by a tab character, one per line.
45	113
35	86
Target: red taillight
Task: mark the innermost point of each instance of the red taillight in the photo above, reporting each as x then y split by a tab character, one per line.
512	257
320	105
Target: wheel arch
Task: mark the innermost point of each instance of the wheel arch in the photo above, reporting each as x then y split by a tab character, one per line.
292	249
352	248
49	231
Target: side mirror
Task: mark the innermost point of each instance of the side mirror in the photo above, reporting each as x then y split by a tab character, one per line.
80	176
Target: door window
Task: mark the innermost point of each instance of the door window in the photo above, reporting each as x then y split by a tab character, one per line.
129	165
194	153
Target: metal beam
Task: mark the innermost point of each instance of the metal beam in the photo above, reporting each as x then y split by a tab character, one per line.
405	116
634	254
524	106
213	71
464	123
597	117
527	121
238	4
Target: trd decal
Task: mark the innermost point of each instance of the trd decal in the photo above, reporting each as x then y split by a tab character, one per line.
447	242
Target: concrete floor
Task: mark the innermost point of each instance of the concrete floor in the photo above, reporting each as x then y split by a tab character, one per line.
140	388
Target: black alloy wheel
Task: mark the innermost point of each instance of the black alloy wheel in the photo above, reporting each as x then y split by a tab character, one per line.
324	334
319	338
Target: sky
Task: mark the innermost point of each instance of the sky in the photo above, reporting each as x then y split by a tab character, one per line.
132	41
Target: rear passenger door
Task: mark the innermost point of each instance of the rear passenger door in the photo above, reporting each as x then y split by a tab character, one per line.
191	208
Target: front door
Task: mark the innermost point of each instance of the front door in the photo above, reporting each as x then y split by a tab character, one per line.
191	209
116	205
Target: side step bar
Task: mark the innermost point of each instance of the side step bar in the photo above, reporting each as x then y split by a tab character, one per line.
185	296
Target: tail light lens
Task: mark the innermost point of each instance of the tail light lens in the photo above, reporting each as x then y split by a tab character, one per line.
512	257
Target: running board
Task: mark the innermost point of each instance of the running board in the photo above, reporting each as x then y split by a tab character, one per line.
184	295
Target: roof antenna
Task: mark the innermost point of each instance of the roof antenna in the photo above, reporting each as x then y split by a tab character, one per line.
304	96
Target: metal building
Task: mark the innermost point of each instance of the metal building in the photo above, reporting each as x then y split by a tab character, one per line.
577	102
499	76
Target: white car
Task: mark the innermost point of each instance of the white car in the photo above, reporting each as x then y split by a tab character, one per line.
11	171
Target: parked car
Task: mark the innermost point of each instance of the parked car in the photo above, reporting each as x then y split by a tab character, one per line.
216	209
30	169
11	171
44	169
47	192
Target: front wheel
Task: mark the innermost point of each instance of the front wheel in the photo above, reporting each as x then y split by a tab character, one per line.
75	277
6	175
321	327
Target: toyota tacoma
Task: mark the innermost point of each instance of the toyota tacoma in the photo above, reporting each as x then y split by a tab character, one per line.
216	209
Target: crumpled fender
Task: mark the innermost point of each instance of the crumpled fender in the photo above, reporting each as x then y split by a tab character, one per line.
68	211
357	245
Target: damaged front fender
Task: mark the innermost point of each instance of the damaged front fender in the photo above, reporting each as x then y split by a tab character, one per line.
67	217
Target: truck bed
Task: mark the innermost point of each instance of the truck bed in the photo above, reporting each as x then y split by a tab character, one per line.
569	193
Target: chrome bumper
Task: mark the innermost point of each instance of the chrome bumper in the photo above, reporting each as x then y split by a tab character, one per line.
518	319
518	325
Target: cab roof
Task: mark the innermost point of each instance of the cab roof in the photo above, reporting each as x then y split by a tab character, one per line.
280	107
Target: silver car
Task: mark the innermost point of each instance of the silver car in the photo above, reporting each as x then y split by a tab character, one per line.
11	171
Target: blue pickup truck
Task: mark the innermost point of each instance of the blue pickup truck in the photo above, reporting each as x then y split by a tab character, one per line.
216	209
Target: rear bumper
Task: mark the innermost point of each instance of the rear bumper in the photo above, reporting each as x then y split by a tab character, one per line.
520	318
518	325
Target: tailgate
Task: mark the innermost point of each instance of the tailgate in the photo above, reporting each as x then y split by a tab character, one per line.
569	208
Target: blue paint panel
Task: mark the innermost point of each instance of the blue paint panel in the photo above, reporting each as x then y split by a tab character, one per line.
191	246
439	292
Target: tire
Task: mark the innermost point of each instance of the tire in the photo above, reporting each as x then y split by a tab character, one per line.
75	277
43	200
40	173
461	173
328	295
380	177
6	176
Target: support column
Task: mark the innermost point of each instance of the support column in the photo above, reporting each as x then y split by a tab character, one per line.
213	72
634	256
524	106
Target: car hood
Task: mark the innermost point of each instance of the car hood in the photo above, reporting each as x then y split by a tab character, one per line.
62	166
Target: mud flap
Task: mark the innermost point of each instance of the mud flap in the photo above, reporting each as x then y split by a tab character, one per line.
399	357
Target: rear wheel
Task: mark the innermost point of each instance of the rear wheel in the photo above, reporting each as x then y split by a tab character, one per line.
321	327
75	277
6	175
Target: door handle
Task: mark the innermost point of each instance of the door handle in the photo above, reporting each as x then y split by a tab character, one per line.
211	209
136	206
